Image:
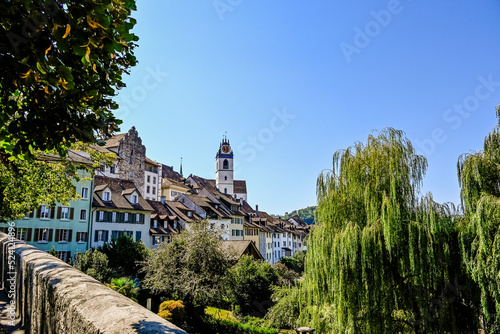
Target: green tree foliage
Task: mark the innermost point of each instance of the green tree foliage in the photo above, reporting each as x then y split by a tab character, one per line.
479	175
286	312
306	214
295	262
286	276
95	264
125	255
249	285
62	62
52	251
125	286
172	310
26	185
191	268
381	258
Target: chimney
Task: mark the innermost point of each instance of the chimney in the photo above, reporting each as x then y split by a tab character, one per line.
162	200
257	207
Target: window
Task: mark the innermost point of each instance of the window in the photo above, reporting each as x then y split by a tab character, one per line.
155	223
126	217
44	212
174	193
113	217
225	164
190	214
131	174
156	240
225	178
63	235
65	213
102	167
138	235
148	178
21	234
101	216
81	236
62	255
101	236
154	180
85	193
154	191
43	234
112	169
134	199
106	196
137	218
225	190
147	189
83	214
131	160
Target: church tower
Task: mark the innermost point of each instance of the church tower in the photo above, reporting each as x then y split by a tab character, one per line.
224	170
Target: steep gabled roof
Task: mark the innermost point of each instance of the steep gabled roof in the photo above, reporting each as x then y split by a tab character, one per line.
240	247
240	186
115	140
168	172
151	162
118	199
180	210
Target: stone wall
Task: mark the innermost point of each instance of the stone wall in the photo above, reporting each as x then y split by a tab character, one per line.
132	154
53	297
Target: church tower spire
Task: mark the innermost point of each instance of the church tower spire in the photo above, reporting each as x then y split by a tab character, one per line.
224	170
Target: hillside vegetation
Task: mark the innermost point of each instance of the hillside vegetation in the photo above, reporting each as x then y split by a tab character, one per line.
306	214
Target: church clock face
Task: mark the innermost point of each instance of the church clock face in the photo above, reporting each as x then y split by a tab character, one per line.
226	148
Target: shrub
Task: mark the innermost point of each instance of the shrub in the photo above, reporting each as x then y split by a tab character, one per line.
172	310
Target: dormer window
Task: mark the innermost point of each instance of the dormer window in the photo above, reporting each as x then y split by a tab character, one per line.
106	196
155	223
134	199
190	214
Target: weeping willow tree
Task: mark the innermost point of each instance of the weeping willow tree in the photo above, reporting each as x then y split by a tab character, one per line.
381	258
479	178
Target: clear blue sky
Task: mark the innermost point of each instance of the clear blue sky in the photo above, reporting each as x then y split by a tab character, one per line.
294	81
